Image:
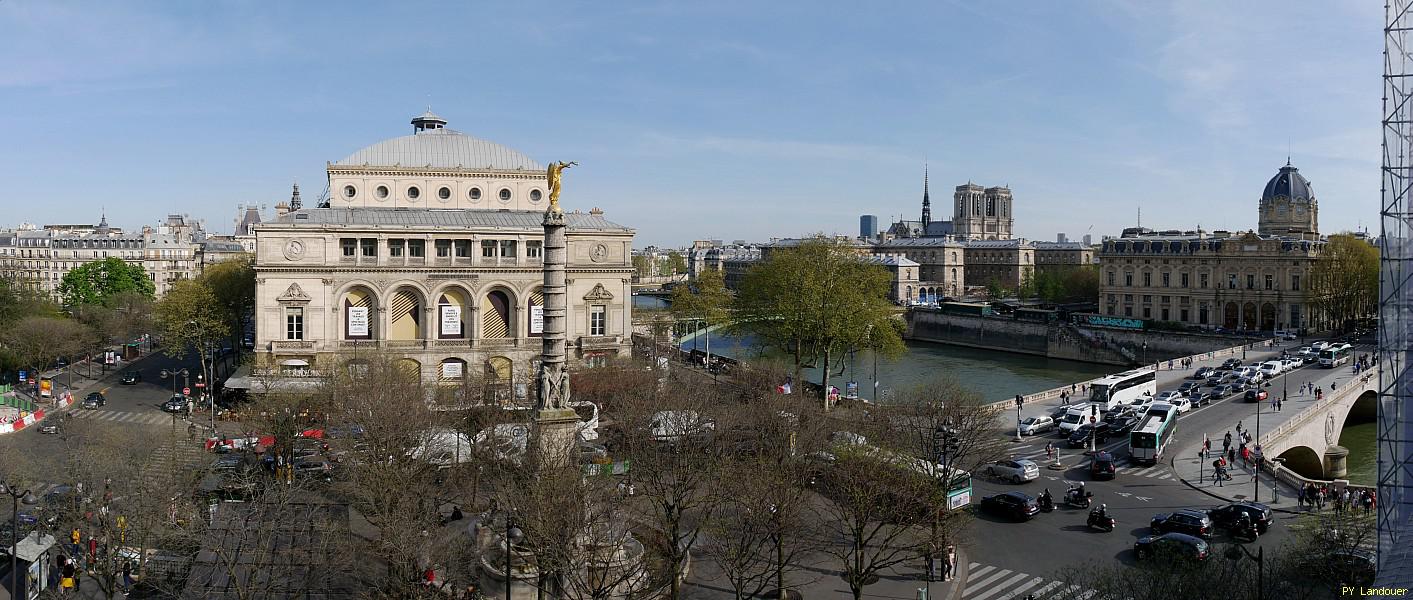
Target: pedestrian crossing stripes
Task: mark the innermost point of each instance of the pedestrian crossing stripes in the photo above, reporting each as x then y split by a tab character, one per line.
987	582
115	416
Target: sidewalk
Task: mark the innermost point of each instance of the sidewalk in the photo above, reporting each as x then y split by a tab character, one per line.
1197	474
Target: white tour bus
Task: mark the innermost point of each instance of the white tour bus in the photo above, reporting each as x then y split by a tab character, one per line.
1128	387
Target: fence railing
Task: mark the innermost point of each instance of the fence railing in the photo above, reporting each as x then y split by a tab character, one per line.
1354	386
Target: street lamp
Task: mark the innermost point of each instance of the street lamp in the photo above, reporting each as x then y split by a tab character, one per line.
1235	551
173	375
15	495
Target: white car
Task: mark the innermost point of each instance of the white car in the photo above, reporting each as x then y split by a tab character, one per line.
1293	363
1169	396
1034	425
1014	471
1181	404
675	425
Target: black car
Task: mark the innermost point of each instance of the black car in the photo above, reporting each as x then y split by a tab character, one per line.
1102	466
1119	412
231	463
1255	395
1218	393
94	400
1123	425
1016	505
1203	373
1080	437
1237	386
1189	388
1225	516
1190	522
176	404
1174	544
313	466
130	378
1231	363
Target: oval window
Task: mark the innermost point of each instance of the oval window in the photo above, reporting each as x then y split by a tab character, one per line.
350	191
475	193
382	191
535	195
505	194
413	192
444	193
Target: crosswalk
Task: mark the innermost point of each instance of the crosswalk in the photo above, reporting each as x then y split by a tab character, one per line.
117	416
986	582
1073	457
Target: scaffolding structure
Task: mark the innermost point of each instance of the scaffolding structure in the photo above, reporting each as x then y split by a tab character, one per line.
1395	425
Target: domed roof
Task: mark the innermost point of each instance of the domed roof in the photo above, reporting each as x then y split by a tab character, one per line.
437	147
1289	183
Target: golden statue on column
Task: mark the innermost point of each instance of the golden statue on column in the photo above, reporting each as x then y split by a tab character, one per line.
553	174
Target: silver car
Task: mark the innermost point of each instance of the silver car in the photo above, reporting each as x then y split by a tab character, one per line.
1014	471
1034	425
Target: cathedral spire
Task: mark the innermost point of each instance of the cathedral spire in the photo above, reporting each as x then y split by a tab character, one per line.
926	201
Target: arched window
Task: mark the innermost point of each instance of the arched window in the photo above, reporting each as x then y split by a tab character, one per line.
358	315
451	315
495	315
536	326
405	316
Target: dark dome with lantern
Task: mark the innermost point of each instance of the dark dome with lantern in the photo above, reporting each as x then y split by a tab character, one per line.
1288	183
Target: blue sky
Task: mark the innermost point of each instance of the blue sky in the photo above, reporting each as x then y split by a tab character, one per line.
696	120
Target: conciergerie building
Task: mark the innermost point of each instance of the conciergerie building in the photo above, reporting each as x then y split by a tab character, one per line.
429	247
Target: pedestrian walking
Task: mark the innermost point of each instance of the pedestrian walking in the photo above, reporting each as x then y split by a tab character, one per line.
1300	497
1226	442
1231	455
1245	456
1206	443
1238	427
949	563
127	577
66	579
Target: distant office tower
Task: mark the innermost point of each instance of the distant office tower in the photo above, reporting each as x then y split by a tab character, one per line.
1088	240
1060	237
868	226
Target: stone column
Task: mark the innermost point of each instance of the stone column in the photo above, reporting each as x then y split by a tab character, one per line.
556	425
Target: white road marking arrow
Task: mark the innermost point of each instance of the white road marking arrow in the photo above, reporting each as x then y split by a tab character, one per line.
1145	499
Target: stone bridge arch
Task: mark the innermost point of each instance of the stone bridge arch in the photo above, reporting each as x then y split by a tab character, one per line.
1304	461
1316	431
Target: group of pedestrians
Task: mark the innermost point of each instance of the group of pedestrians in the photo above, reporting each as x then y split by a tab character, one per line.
1315	497
1363	363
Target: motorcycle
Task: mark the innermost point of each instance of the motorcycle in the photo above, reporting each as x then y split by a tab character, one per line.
1046	502
1102	522
1076	500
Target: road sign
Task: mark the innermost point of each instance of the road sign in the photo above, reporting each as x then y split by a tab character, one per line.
186	391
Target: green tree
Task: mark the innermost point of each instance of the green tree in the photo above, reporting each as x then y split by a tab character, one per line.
38	341
96	282
676	263
642	266
705	298
1344	281
191	317
816	301
233	283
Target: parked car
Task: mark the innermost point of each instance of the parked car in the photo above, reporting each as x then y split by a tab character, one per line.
313	466
1016	505
1174	544
1034	425
1260	514
1255	395
1015	471
1203	373
93	401
1099	431
130	378
1102	466
1188	521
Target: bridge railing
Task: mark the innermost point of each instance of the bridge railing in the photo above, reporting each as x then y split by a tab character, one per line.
1355	386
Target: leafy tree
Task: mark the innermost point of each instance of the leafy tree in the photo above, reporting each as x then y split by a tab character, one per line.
233	283
676	263
994	289
705	298
642	266
816	301
1344	282
96	282
37	342
190	317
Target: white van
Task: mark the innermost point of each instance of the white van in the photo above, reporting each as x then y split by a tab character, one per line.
1272	368
1074	418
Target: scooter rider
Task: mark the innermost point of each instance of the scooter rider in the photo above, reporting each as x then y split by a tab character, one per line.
1077	493
1101	511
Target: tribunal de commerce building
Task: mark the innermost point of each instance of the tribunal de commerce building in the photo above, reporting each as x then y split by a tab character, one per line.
429	248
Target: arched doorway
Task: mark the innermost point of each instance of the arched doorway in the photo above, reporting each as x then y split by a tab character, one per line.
499	375
359	322
1230	318
452	369
405	316
452	308
495	315
1268	317
1248	316
909	297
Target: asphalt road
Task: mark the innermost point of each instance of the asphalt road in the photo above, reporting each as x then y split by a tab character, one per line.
1010	559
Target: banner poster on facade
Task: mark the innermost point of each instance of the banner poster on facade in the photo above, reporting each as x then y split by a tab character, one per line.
451	369
358	321
537	319
451	320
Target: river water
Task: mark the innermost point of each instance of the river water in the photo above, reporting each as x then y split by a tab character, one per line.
1363	461
992	374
